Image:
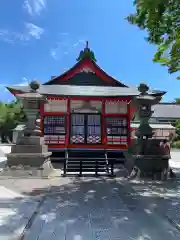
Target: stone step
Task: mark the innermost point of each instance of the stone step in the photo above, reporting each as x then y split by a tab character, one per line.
77	170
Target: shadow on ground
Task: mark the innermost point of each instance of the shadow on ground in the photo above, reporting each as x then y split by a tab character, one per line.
163	197
89	208
98	207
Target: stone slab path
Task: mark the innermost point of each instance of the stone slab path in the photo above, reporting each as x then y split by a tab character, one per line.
97	209
15	212
2	158
78	209
87	208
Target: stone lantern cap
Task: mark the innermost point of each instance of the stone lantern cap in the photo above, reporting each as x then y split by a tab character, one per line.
33	94
143	89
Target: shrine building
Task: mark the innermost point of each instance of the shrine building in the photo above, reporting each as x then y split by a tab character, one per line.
87	109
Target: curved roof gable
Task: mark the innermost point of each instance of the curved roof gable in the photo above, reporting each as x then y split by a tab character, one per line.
86	64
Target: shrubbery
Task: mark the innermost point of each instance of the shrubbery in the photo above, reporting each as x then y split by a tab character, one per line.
176	144
11	114
176	141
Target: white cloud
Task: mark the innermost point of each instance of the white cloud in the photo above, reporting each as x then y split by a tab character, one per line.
65	46
34	7
24	82
53	53
34	30
30	31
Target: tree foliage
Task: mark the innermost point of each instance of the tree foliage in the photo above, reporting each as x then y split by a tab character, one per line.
177	125
161	20
177	100
10	115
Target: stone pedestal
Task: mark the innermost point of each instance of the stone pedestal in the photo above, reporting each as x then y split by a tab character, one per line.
152	162
31	153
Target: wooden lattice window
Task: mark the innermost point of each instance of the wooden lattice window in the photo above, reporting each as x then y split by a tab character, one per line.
77	128
54	129
117	130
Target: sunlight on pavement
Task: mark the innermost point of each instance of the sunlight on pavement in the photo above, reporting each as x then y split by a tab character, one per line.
15	212
8	194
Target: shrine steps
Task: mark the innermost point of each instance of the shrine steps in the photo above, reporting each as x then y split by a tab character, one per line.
58	156
86	162
117	156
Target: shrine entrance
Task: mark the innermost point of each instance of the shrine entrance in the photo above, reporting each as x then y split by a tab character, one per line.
85	128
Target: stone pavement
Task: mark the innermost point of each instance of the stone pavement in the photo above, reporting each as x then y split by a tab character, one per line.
88	208
163	197
15	212
2	158
85	208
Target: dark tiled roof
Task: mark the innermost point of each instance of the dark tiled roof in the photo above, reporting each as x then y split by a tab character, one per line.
166	110
87	79
67	90
91	63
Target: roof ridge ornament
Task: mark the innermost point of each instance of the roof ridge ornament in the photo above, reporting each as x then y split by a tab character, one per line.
86	53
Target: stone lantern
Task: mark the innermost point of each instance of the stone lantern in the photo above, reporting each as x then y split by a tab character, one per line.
31	104
144	103
30	150
147	154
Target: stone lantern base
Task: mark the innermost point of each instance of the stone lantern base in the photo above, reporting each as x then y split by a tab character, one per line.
30	153
152	162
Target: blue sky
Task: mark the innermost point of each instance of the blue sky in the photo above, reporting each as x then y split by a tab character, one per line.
42	38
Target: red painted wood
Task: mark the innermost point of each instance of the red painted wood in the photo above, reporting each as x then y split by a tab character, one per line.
104	136
129	125
104	139
42	109
84	146
56	98
14	92
54	113
86	63
61	146
133	110
91	98
41	118
116	115
68	122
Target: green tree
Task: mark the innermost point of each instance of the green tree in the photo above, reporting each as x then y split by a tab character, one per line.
10	115
177	100
177	125
161	20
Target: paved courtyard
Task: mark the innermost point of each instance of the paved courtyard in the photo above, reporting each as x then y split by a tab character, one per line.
80	209
87	208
